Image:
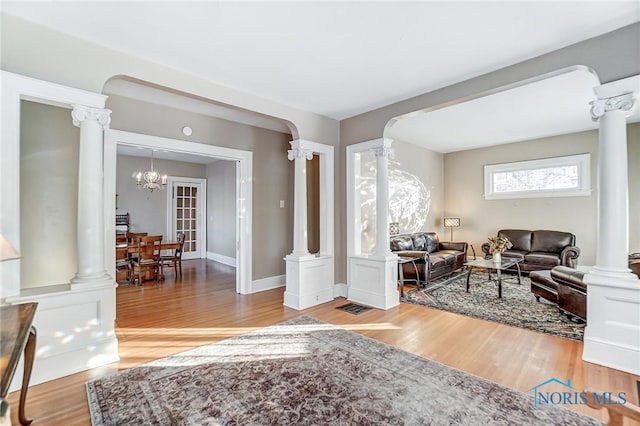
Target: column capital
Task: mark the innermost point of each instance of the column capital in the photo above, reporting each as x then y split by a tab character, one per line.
81	113
292	154
624	102
383	151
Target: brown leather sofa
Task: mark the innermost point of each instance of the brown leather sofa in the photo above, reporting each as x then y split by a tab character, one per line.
634	263
434	258
541	249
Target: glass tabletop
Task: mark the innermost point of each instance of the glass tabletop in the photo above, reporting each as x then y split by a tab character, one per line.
506	263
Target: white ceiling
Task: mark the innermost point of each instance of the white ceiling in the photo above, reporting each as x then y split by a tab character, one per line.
337	59
552	106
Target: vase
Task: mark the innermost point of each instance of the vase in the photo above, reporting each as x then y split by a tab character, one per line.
497	258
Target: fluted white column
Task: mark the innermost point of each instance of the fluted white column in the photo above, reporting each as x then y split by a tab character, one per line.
300	156
613	200
382	155
92	122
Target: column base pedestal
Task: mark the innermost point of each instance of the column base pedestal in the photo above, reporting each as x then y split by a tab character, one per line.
91	281
373	280
612	336
309	281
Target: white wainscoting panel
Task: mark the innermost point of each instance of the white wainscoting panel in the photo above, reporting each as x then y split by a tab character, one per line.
612	335
309	281
75	331
373	281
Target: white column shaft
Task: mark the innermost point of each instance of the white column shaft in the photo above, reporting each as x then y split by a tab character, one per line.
613	204
90	194
300	238
382	201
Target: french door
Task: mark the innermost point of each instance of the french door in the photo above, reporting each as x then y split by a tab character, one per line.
187	201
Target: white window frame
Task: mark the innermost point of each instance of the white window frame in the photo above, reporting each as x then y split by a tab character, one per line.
583	161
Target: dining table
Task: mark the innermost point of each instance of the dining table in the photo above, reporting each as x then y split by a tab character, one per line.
166	245
134	248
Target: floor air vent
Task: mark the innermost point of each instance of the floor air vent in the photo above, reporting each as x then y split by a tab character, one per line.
353	308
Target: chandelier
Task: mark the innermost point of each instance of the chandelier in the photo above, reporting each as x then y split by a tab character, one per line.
150	179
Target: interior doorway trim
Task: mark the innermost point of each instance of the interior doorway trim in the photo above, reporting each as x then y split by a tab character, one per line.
113	137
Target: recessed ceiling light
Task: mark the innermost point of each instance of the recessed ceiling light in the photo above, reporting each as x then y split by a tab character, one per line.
187	131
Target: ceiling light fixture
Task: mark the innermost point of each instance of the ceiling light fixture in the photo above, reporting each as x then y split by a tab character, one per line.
150	179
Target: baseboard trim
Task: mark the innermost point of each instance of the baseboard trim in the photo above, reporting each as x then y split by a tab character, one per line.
226	260
268	283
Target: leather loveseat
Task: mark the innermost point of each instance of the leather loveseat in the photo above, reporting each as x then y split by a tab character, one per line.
434	258
539	250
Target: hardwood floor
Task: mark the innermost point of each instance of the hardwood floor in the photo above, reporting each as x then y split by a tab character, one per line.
159	320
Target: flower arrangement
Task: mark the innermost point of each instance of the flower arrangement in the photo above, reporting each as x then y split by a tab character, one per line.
499	244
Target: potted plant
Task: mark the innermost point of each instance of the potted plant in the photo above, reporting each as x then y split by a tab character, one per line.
497	246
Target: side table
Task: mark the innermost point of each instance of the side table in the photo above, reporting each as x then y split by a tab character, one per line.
401	261
17	335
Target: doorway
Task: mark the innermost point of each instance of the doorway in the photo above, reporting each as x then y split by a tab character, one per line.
186	201
244	160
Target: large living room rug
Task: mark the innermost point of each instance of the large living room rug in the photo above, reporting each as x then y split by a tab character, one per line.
518	306
306	372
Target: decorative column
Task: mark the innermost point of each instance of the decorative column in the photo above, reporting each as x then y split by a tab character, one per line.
382	155
300	156
613	200
92	122
373	280
309	278
612	335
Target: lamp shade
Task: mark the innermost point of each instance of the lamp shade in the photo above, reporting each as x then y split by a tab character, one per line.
7	252
451	222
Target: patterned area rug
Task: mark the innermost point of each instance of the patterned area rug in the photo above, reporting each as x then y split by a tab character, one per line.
306	372
518	306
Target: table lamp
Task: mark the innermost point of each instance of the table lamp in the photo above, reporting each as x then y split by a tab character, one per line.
451	222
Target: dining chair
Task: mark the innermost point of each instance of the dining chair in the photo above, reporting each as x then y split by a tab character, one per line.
148	258
133	239
175	260
123	263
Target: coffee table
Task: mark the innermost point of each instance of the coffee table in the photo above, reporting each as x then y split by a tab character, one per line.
490	265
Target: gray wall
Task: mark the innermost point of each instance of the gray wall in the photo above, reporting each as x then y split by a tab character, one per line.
427	167
221	208
148	210
48	195
272	171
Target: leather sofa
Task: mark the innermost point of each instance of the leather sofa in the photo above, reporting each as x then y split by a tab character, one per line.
434	258
539	250
634	263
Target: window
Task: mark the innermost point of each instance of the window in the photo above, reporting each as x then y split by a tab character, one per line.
549	177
